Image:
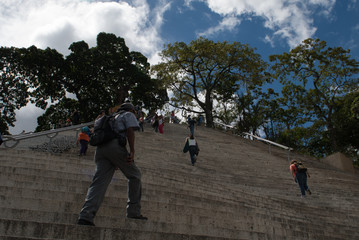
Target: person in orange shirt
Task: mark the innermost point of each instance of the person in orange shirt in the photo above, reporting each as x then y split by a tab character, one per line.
300	176
83	139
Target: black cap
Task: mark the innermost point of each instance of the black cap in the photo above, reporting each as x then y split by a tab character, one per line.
126	107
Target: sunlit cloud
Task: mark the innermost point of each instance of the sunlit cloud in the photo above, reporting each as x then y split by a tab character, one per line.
57	24
288	20
227	24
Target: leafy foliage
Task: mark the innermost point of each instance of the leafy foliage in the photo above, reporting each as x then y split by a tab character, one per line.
14	86
44	70
56	113
100	78
346	124
314	77
204	71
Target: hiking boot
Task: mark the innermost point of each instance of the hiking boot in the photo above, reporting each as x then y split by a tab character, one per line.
85	222
139	217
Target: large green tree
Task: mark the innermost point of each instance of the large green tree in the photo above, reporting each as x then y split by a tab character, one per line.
314	76
100	77
125	74
204	72
13	87
106	75
45	73
346	123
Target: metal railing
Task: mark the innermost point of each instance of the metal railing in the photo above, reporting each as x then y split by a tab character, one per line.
15	139
258	138
11	141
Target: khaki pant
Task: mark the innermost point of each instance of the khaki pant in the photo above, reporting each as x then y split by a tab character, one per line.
107	158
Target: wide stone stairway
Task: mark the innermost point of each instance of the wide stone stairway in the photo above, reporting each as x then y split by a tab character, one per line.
238	189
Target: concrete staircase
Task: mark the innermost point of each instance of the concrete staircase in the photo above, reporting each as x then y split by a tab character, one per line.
239	189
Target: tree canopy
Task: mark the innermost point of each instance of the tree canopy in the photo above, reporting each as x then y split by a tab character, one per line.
315	76
100	77
316	110
14	87
204	72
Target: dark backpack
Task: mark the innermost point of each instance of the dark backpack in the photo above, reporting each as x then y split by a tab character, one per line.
103	131
300	168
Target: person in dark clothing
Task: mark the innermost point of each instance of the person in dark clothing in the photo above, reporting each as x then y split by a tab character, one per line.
191	124
155	122
191	146
109	157
75	117
141	121
300	176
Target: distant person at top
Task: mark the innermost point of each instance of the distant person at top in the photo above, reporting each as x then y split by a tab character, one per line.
161	124
300	174
75	117
141	121
68	122
173	116
155	122
191	146
191	124
114	155
60	124
200	120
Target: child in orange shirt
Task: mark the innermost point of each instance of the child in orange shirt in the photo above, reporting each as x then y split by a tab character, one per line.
83	139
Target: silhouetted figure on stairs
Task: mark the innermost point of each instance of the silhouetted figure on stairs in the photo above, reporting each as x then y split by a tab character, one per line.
191	146
300	174
109	157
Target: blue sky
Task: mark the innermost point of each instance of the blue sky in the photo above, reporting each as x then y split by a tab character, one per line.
270	26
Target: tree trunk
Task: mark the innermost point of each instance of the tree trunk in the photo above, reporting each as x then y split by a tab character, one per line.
209	119
209	112
332	138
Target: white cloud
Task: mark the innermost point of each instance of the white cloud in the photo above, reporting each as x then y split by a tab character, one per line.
291	20
188	3
352	4
57	24
269	40
26	119
227	24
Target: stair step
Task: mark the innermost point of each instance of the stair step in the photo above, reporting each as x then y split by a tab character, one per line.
237	190
72	231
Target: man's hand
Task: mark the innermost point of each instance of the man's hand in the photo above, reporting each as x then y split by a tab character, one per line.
130	158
